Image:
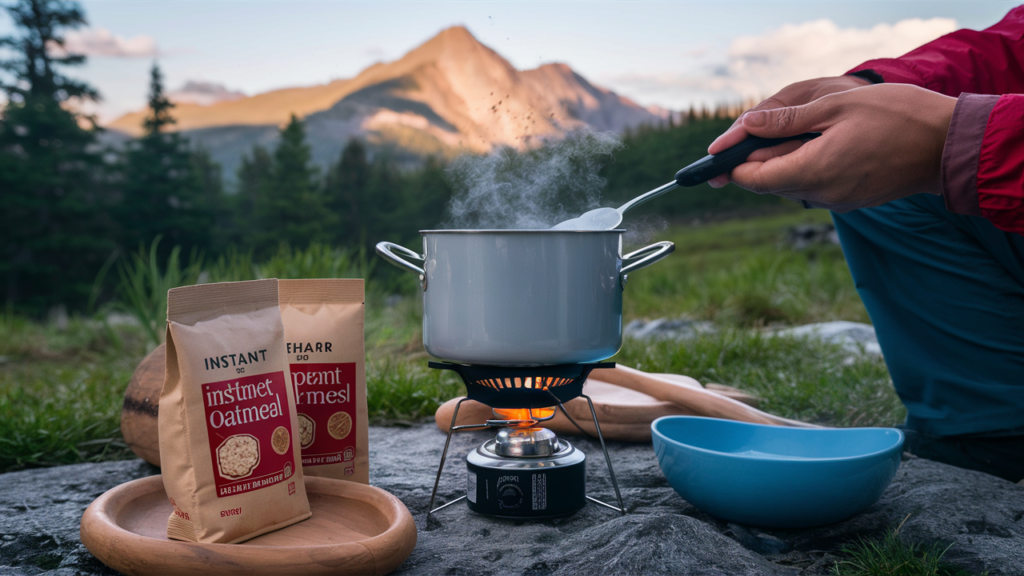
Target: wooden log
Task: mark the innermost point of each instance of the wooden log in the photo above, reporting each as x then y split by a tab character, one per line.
141	405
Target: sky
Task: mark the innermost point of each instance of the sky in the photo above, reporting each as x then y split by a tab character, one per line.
669	54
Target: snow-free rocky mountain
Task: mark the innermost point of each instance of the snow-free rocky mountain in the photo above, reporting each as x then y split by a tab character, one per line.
450	95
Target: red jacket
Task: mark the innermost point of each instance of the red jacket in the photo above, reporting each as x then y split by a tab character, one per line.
983	161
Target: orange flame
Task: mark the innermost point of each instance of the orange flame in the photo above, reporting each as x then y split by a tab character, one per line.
524	414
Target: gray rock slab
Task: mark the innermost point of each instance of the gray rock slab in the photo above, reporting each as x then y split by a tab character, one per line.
667	329
855	337
980	515
807	235
40	511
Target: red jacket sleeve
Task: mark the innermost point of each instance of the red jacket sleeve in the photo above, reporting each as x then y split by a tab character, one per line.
983	161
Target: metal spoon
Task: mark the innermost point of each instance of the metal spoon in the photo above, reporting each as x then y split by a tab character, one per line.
699	172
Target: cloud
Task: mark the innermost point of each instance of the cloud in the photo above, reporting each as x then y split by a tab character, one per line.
204	93
758	66
375	53
101	42
763	64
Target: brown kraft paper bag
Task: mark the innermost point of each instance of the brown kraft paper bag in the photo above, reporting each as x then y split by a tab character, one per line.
228	432
323	328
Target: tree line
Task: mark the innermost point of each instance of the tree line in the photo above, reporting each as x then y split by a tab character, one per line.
71	206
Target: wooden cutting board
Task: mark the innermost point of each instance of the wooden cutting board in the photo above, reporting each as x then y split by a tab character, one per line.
355	529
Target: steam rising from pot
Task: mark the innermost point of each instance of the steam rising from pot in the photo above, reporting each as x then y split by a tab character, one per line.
534	189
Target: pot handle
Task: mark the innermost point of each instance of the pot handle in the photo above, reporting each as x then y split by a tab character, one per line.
384	249
646	256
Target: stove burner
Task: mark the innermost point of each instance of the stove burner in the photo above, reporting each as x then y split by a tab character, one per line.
526	471
525	442
520	417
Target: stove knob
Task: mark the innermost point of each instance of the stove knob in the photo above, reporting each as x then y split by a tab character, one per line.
509	497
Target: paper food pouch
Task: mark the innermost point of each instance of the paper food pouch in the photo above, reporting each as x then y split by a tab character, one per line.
229	449
323	329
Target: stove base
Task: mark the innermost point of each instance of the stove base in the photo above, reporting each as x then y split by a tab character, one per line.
582	481
526	488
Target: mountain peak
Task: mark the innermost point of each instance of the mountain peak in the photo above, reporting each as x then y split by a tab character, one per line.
561	67
449	95
452	39
457	33
454	44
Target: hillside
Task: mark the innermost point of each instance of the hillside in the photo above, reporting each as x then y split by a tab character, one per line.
449	95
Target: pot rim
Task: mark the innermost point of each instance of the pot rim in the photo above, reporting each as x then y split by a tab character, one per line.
531	231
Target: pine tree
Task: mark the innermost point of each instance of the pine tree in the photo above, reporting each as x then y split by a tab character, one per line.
386	207
253	175
54	225
161	193
159	116
291	207
432	194
209	184
346	189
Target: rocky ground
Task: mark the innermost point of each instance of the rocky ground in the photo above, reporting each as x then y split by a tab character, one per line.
980	515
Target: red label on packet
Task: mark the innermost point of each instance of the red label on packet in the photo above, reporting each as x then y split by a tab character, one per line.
250	432
325	401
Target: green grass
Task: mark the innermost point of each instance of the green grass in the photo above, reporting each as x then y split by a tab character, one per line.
144	282
736	274
797	378
61	389
892	555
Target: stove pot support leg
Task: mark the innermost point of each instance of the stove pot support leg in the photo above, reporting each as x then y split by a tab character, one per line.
607	459
440	467
618	496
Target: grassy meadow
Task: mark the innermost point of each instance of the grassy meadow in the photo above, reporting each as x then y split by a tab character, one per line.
62	383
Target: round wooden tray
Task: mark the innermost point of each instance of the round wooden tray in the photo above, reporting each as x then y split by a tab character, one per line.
355	529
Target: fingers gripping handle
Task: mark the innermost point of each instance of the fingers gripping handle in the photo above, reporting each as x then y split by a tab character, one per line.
384	249
715	165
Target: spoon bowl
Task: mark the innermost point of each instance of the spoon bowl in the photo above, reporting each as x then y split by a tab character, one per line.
597	219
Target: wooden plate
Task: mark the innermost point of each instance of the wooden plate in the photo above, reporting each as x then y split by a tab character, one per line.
355	529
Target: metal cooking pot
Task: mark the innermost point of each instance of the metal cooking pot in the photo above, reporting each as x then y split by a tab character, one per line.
523	297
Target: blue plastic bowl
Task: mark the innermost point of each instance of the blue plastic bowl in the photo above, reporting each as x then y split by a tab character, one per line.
773	476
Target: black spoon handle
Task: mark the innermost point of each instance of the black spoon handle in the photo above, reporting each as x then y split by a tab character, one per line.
714	165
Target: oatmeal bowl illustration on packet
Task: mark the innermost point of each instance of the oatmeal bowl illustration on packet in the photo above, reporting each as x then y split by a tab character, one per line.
238	456
280	440
339	425
307	431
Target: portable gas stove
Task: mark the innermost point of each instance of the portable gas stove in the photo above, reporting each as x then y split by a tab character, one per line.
526	471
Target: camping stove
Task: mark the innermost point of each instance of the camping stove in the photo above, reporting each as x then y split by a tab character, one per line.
526	471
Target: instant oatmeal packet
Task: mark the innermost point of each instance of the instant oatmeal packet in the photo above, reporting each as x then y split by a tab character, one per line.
323	328
228	433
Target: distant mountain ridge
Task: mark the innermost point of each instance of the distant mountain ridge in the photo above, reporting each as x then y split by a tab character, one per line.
451	94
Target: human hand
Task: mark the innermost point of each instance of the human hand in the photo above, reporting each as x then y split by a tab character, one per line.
795	94
878	143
